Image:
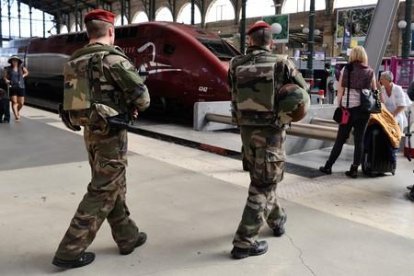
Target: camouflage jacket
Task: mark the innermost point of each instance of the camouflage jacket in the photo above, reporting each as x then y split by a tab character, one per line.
120	87
284	72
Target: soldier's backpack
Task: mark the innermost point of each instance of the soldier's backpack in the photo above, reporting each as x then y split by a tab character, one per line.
82	91
258	94
255	91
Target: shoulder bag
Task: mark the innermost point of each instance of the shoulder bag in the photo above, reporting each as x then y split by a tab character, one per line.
370	101
342	114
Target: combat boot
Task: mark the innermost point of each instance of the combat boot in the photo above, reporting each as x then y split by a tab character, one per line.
84	259
142	238
279	230
256	249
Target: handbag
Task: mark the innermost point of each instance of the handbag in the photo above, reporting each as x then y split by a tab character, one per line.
342	114
370	101
337	116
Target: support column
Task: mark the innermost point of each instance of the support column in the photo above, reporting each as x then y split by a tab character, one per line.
1	24
68	22
19	18
236	11
44	24
9	16
152	10
243	27
406	40
406	67
192	11
76	16
58	18
311	39
202	11
80	20
122	12
128	11
173	10
30	19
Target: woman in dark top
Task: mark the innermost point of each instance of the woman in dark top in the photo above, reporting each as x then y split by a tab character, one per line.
361	76
14	77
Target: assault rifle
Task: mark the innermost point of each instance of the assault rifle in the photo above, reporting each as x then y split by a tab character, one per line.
122	121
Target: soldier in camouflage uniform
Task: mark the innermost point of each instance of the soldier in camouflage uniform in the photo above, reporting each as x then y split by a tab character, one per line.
121	88
263	136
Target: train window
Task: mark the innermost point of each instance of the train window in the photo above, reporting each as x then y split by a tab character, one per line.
218	48
71	38
77	37
126	32
120	33
82	37
133	31
169	49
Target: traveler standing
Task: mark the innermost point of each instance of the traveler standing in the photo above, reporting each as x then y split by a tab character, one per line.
115	89
360	76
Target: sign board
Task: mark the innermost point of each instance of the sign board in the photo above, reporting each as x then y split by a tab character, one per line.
283	20
352	24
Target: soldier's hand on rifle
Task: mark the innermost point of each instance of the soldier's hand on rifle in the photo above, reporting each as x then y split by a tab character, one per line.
64	115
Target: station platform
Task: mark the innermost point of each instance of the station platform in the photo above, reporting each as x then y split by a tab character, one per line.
190	202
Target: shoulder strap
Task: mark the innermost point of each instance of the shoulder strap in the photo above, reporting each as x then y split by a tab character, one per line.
101	51
98	48
239	60
349	67
94	75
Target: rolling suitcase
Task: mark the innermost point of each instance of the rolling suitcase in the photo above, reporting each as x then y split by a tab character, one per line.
379	156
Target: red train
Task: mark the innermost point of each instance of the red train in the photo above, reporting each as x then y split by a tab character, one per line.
185	64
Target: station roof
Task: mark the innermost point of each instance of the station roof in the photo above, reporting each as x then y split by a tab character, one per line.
68	6
64	6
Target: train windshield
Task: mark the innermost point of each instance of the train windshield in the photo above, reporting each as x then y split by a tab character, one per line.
219	48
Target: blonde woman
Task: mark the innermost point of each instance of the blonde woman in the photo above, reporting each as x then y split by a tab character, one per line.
14	77
361	76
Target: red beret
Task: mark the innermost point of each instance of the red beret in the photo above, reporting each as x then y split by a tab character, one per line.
258	25
100	14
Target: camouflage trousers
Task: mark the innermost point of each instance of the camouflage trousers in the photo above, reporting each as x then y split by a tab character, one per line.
105	198
265	153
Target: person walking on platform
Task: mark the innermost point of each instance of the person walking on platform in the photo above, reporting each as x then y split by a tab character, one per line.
256	81
360	76
102	73
14	78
